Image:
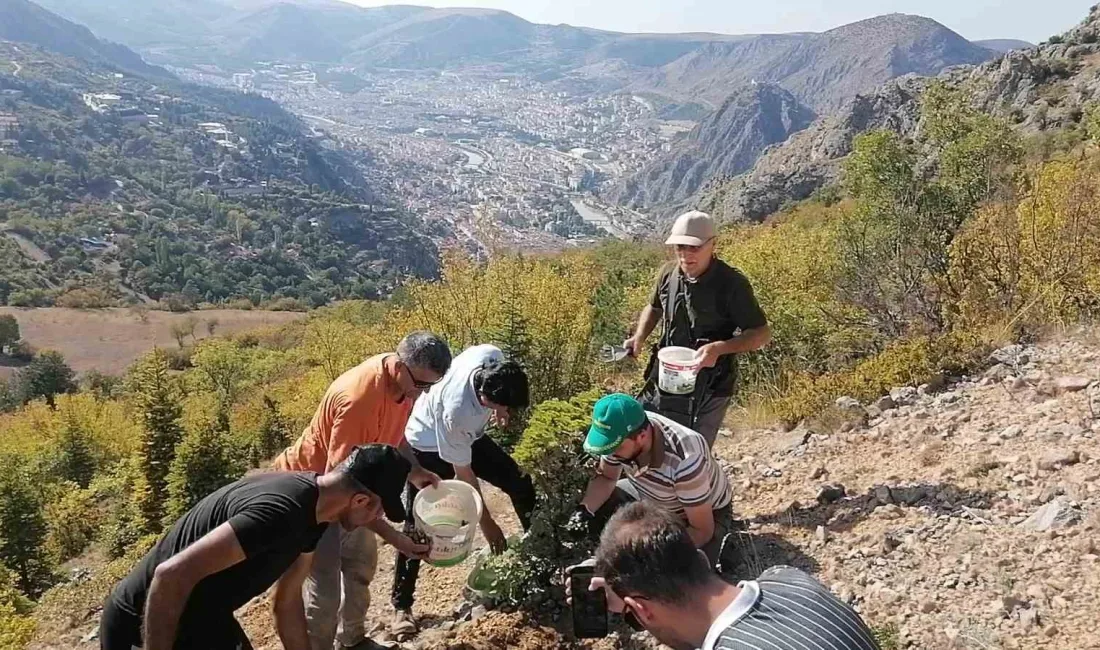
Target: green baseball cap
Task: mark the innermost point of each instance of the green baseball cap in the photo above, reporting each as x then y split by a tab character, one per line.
614	418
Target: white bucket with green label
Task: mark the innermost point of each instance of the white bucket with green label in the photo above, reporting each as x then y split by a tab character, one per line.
448	515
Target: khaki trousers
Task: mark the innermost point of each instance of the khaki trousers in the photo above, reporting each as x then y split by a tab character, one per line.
346	559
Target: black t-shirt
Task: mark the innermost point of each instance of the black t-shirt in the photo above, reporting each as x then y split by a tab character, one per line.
713	307
275	519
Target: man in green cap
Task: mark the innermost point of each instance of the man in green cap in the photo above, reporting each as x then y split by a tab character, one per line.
664	463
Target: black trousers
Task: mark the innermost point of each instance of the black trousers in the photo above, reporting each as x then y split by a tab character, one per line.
121	630
491	464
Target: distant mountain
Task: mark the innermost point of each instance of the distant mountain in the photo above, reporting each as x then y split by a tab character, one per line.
822	70
25	22
1044	88
144	23
324	32
1003	45
726	143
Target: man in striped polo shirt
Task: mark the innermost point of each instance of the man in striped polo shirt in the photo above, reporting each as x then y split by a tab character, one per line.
647	568
664	463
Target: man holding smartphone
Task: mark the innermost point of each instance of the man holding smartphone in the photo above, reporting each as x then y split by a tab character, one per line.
664	463
649	572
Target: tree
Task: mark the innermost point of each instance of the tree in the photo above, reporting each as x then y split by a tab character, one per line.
45	377
158	403
204	462
222	367
179	332
23	530
9	331
274	433
17	625
76	459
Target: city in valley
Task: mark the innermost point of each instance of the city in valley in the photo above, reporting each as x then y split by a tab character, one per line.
505	161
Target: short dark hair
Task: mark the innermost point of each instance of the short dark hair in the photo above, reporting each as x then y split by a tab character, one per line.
426	351
646	552
504	383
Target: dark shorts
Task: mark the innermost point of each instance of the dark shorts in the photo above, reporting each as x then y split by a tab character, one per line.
121	630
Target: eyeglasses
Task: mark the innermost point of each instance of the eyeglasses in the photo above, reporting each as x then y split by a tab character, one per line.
418	384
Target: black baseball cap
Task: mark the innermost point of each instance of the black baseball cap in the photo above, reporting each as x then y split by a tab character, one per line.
382	470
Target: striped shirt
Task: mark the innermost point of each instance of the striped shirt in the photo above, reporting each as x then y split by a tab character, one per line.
786	608
684	474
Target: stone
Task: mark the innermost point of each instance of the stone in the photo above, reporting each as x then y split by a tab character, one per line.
904	395
1073	384
934	385
831	494
848	404
820	472
1029	618
1056	515
821	534
1011	432
928	606
884	403
90	636
997	372
1058	459
1009	354
796	439
889	544
883	494
1051	632
478	612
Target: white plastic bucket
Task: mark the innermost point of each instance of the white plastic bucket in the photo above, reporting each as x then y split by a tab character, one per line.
677	370
448	515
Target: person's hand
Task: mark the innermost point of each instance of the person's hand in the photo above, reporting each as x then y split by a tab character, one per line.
633	347
408	547
707	356
578	524
422	479
495	536
614	603
501	418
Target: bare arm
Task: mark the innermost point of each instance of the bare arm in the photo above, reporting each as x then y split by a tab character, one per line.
647	322
400	541
175	579
700	523
289	607
601	487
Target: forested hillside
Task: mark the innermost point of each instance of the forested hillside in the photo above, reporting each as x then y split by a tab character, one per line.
114	188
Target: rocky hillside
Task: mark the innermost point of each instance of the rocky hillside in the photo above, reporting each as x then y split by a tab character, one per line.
1045	88
726	143
962	514
820	71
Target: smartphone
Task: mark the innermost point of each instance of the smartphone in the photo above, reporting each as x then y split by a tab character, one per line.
589	607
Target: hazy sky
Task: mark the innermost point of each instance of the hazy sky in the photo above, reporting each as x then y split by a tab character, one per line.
1031	20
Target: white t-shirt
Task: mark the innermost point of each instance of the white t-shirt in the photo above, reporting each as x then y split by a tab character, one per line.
449	418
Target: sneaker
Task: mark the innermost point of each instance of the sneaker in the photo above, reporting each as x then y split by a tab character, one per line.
403	626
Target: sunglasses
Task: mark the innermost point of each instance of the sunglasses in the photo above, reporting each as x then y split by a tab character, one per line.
418	384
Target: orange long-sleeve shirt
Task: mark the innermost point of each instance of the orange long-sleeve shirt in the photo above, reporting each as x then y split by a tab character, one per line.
365	405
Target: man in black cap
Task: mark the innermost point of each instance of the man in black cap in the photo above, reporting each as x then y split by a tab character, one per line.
240	540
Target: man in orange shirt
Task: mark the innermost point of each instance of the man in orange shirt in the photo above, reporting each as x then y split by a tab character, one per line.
369	404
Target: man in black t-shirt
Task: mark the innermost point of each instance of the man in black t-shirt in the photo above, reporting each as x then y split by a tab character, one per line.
237	542
707	305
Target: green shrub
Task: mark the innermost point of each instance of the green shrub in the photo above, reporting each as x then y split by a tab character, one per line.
121	493
205	460
550	451
16	625
72	521
23	529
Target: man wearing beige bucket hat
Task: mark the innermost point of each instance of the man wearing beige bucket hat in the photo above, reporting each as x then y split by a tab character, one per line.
704	304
